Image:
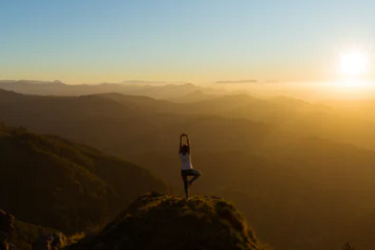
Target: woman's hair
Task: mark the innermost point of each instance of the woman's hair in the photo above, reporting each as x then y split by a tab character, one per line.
185	148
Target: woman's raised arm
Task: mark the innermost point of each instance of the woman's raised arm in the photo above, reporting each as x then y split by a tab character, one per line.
188	143
180	145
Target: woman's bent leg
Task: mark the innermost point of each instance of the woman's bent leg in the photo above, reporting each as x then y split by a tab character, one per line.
196	175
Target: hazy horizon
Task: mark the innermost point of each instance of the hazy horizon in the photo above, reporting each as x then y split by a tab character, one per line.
318	91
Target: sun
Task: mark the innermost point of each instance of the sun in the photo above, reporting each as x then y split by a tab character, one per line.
353	64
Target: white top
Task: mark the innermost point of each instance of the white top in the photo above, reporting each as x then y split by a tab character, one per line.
185	161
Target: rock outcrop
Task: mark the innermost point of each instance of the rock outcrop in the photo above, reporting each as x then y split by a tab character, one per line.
6	229
52	241
157	221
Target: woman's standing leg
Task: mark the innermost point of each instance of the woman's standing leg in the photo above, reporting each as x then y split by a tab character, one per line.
186	184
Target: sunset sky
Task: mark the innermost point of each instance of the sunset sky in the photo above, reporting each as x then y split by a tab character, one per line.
197	40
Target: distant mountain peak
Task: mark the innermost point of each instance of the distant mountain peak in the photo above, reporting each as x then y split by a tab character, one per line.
237	82
143	82
57	82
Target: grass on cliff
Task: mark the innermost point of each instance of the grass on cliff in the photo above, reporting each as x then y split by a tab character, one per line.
156	221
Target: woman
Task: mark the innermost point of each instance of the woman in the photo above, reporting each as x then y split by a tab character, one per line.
186	166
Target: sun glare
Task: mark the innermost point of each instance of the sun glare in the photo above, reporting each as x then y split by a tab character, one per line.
353	64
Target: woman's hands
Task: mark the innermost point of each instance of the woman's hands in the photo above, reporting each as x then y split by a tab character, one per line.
187	142
187	139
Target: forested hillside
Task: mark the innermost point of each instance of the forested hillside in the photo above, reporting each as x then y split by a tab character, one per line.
50	181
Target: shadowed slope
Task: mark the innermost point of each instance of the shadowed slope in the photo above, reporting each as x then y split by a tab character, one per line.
50	181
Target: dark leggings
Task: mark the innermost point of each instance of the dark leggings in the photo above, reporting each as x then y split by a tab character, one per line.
187	183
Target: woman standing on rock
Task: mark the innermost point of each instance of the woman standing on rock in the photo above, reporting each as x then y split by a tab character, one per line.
186	166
